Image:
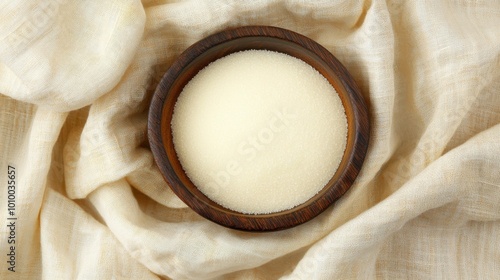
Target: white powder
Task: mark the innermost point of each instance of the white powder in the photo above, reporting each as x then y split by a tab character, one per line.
259	131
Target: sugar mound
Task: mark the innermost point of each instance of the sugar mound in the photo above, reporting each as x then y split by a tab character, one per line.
259	131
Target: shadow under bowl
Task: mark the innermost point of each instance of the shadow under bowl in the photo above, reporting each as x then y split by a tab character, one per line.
213	47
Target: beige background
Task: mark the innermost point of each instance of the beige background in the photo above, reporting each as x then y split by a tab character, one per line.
91	204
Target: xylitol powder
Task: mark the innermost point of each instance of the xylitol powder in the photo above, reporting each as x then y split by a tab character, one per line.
259	131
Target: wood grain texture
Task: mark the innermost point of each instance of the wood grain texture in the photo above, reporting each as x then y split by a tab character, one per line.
226	42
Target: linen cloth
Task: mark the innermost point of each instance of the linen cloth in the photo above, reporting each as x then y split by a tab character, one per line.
76	78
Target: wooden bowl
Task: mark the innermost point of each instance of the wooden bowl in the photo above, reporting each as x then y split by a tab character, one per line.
226	42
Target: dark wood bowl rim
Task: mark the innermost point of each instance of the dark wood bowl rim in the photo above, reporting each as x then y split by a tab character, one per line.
359	129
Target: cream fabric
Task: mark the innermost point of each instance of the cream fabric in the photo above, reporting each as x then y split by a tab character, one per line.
75	83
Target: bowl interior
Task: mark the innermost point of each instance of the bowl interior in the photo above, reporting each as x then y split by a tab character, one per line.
195	59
